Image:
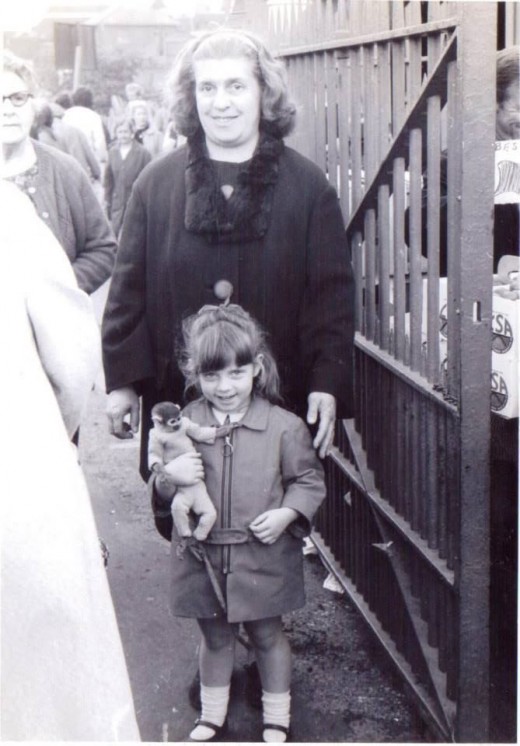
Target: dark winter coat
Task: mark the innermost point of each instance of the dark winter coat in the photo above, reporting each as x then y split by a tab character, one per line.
65	201
279	241
269	463
120	175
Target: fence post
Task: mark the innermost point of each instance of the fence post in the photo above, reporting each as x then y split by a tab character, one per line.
476	115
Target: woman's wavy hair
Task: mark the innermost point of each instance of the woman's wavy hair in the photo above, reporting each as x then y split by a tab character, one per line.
138	103
218	336
278	111
13	64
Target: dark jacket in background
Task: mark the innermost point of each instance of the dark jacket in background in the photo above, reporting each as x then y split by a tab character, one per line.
65	201
120	175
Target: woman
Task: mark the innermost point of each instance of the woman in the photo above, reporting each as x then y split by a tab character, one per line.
54	181
126	160
63	670
144	131
233	213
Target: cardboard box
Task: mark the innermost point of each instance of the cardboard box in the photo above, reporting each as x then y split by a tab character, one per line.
507	172
505	344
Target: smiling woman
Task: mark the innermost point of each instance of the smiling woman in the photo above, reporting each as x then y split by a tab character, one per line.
234	214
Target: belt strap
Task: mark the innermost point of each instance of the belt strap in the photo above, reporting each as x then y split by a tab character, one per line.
223	536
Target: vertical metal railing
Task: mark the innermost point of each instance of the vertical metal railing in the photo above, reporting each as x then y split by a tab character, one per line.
395	104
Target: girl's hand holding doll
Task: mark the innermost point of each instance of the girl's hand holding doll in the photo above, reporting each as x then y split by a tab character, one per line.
270	525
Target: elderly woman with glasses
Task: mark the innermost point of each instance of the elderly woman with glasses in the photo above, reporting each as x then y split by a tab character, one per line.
56	184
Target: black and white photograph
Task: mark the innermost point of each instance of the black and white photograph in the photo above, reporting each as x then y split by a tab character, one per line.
260	321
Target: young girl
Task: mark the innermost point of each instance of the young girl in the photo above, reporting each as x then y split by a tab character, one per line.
266	483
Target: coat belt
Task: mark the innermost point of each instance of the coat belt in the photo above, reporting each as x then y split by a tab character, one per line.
223	536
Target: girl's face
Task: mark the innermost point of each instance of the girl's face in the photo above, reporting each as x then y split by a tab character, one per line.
124	134
16	120
229	389
228	97
508	114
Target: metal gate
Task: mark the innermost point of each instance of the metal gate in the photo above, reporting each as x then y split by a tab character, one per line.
394	94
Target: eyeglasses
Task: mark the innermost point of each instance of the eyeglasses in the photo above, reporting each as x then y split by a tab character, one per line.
19	98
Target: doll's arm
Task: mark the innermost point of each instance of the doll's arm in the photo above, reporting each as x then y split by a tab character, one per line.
155	452
200	433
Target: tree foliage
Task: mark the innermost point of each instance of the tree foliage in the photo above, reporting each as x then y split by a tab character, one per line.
109	79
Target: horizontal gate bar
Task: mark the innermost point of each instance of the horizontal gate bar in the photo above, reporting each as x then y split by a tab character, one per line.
393	518
344	42
405	373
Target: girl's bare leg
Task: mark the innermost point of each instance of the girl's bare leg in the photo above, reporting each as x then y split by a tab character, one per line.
273	653
273	656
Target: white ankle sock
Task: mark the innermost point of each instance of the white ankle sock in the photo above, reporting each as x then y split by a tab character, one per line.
214	705
277	711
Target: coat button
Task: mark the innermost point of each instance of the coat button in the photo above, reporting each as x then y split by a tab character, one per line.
45	215
31	190
223	290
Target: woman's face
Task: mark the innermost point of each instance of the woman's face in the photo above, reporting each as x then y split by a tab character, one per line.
140	116
508	114
124	134
16	120
228	97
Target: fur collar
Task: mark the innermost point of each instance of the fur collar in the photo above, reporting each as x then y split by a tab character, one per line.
245	216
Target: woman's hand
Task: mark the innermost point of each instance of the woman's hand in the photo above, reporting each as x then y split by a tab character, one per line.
322	405
269	526
185	470
122	402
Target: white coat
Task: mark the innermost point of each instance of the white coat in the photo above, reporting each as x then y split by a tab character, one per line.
63	672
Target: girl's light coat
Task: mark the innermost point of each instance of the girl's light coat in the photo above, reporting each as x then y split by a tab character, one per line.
269	463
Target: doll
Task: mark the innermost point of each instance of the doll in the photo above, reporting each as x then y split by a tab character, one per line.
171	436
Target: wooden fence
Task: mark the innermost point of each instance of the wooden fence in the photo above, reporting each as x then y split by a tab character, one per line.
395	98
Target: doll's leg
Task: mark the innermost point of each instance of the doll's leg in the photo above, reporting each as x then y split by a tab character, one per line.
216	659
273	655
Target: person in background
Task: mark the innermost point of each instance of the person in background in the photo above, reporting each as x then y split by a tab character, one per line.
172	140
126	160
82	116
42	128
133	91
54	181
63	672
64	99
74	143
145	132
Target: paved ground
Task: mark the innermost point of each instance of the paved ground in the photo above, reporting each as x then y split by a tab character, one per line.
343	689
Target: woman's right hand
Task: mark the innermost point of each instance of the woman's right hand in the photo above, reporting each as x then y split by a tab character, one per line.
185	470
122	402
